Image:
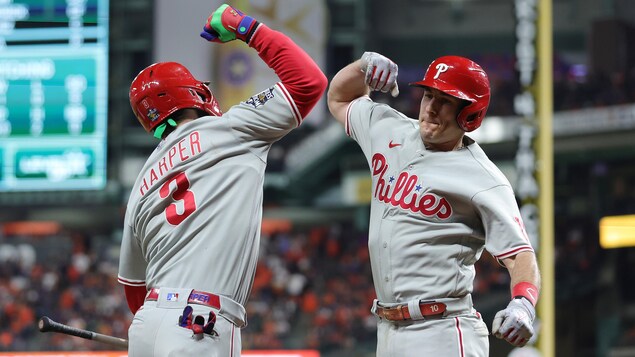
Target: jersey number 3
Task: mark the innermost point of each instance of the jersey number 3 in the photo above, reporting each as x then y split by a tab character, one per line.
182	197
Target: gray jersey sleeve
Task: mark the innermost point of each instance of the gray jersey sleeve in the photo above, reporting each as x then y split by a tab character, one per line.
504	229
266	116
132	264
358	122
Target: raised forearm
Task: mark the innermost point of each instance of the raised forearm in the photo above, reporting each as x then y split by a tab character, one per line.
347	85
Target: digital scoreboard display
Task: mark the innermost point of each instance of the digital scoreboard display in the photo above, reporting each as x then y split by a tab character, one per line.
53	94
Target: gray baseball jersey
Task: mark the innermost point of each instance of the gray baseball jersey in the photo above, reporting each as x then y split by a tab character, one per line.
194	214
432	214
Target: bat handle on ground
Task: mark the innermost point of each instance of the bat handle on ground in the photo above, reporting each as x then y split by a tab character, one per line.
47	325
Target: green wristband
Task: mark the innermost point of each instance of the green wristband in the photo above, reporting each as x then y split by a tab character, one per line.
216	23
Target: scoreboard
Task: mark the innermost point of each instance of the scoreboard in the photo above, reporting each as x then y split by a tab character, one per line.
53	94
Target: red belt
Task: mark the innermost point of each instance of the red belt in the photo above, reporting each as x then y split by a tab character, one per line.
196	297
400	312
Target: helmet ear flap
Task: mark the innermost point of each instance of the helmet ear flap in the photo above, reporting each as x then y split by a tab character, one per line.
211	104
471	116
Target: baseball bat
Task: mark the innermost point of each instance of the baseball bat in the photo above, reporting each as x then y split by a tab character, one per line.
47	325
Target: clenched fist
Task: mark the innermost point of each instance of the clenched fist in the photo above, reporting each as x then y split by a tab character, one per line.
515	323
381	73
227	24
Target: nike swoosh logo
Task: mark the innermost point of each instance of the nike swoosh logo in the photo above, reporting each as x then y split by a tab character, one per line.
392	145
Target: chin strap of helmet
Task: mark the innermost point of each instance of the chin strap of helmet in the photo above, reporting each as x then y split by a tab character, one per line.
160	129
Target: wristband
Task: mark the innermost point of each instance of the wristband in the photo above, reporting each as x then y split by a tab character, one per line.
251	33
527	290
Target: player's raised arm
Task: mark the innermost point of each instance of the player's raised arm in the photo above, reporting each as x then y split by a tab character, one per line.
297	71
371	72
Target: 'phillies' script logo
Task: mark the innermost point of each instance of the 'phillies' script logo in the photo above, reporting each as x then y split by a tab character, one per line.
405	192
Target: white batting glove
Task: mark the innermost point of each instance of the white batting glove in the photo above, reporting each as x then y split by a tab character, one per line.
381	73
515	323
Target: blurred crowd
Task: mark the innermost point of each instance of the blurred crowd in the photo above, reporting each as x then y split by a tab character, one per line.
313	289
575	86
70	278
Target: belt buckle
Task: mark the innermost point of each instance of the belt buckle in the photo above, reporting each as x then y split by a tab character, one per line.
394	313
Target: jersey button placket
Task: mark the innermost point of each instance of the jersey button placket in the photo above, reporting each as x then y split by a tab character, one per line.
385	263
386	278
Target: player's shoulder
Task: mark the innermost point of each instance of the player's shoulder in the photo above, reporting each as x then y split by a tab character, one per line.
365	102
383	112
275	94
490	173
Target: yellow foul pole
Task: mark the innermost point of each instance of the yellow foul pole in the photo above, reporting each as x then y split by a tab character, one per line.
544	79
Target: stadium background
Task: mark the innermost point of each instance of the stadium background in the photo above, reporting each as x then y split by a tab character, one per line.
59	250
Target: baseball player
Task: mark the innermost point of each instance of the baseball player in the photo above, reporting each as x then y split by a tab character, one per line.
437	203
192	225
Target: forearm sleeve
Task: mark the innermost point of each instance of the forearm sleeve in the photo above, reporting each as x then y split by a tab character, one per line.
135	295
301	76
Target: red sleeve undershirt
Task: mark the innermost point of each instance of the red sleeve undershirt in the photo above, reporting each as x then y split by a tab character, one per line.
296	69
135	295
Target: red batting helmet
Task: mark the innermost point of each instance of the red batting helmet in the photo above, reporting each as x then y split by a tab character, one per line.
163	88
464	79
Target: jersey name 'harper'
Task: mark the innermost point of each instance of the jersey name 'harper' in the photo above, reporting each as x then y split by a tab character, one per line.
179	152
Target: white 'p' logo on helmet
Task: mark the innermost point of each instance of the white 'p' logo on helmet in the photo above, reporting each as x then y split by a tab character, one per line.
441	67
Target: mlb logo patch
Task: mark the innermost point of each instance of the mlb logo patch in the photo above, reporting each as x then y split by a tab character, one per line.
172	297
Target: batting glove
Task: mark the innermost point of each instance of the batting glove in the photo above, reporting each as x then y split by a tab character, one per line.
227	24
381	73
515	323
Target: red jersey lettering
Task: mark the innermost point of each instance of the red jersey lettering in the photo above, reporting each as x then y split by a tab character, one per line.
181	151
401	194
